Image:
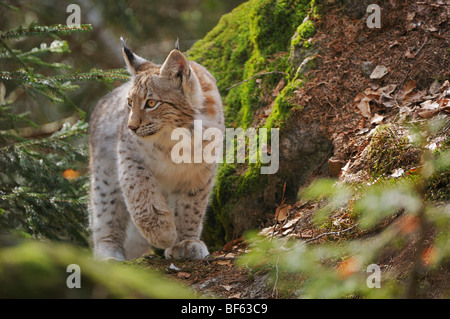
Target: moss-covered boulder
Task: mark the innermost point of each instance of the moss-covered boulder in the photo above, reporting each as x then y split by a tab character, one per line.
255	52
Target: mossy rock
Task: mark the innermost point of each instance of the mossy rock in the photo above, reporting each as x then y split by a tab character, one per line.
257	37
35	269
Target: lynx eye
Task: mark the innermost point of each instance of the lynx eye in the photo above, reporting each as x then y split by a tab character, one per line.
129	101
151	104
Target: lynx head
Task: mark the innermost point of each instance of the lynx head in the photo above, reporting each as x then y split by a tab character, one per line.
162	97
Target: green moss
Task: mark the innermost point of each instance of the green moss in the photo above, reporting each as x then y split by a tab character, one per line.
254	38
305	31
389	150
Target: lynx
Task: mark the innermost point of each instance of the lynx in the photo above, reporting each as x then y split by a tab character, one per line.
140	198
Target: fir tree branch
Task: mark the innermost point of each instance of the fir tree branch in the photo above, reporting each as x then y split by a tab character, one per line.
115	74
53	30
76	130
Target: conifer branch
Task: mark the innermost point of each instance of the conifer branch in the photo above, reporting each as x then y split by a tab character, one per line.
35	30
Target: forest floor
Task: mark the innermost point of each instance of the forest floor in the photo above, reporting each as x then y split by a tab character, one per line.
351	98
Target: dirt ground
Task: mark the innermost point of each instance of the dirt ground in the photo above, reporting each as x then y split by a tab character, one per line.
412	49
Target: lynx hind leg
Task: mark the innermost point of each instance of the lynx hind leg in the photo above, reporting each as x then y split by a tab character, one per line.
109	218
135	244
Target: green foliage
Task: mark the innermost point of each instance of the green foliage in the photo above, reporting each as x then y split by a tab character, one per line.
39	270
339	269
43	181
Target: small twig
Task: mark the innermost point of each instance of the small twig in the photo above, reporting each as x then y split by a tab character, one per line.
276	277
254	76
209	259
336	233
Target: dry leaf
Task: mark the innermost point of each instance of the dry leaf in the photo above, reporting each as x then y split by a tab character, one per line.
266	231
406	89
235	296
282	212
228	246
410	16
412	97
395	43
359	97
409	54
398	172
428	114
226	287
434	88
376	119
224	262
364	107
429	105
379	72
183	275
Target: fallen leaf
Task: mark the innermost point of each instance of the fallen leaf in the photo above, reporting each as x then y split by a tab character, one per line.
410	16
435	86
364	107
279	87
406	89
359	97
413	97
428	114
224	262
183	275
409	54
395	43
429	105
376	119
291	223
228	246
266	231
379	72
226	287
282	212
398	172
235	296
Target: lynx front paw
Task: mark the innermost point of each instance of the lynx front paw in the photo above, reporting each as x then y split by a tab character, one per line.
190	249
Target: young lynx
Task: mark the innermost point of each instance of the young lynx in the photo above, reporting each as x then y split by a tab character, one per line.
139	196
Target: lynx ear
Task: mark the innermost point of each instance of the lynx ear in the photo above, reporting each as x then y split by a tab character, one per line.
132	60
176	65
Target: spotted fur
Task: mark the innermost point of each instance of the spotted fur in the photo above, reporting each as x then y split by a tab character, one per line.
139	196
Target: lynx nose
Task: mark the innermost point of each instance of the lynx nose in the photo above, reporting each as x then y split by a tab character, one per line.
133	128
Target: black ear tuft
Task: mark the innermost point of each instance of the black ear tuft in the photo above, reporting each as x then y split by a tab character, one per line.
177	44
127	51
